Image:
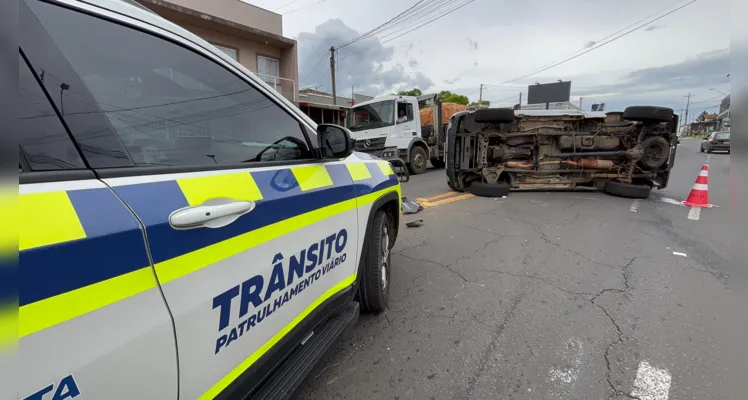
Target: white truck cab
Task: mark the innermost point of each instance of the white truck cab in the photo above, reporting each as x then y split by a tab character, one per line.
390	127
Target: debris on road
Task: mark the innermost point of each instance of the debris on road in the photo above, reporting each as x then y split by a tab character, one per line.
410	206
414	224
675	253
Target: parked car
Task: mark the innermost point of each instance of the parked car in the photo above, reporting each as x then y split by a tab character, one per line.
494	150
185	231
717	141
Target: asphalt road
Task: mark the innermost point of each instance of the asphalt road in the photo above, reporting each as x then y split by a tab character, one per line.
550	295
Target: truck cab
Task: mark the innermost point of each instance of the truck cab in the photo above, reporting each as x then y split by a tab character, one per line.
390	127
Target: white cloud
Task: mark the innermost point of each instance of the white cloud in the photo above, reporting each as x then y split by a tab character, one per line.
519	37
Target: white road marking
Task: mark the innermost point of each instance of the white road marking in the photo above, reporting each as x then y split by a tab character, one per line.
566	376
694	213
675	253
651	383
708	156
671	201
634	206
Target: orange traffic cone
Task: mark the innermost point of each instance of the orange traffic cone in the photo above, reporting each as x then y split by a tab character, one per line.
699	196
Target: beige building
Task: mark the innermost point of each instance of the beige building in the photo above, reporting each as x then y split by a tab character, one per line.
247	33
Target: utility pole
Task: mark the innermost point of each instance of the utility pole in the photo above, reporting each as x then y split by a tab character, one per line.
480	97
580	102
332	74
688	103
520	100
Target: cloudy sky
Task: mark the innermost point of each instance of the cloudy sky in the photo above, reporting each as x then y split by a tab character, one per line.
496	41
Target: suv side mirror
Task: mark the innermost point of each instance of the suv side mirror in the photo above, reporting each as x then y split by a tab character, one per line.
334	141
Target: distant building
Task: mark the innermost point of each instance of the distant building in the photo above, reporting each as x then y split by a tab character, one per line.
724	114
319	106
249	34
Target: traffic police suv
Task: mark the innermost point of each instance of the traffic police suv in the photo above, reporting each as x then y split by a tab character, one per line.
186	231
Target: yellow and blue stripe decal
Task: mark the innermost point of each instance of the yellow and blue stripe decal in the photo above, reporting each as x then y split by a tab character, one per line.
284	194
76	264
98	256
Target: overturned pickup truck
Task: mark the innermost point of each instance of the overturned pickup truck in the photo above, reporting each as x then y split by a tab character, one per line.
494	150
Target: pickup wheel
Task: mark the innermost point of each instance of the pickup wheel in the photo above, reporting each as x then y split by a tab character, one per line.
481	189
418	160
374	291
656	153
494	115
627	190
648	114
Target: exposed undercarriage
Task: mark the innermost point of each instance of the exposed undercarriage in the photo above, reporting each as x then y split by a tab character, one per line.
557	150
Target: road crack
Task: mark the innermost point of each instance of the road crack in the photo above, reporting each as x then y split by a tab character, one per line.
620	337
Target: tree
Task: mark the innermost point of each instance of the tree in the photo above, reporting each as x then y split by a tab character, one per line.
413	92
448	97
482	102
702	116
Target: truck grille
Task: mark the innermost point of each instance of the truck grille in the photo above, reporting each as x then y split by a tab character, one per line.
370	144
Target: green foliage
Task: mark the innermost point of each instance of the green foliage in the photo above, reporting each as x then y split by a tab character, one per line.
482	102
413	92
445	96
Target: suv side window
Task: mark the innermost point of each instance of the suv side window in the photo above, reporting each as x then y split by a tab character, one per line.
44	142
169	105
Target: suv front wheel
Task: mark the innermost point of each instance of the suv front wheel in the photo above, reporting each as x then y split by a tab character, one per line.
374	291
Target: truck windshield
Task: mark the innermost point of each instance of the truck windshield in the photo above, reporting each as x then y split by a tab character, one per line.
374	115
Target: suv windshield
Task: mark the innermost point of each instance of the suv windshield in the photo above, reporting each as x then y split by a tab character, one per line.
374	115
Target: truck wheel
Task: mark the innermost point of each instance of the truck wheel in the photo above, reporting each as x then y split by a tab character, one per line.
374	292
437	163
499	189
627	190
494	115
648	114
418	160
656	151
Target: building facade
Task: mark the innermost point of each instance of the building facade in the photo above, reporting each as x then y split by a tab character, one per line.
724	114
249	34
320	107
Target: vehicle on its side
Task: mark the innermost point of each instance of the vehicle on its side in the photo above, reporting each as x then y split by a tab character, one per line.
390	127
717	141
185	231
495	150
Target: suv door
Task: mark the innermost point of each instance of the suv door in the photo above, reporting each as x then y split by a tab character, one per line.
253	238
91	318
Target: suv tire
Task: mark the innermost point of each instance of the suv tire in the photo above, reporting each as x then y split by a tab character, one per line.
374	291
627	190
481	189
418	160
494	115
648	114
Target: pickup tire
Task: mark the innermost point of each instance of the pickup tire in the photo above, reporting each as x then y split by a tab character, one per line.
418	160
656	150
374	292
494	115
481	189
627	190
648	114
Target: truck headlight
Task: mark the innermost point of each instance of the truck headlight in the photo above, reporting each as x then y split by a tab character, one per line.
388	154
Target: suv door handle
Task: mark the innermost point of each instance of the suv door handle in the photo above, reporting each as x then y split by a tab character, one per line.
214	213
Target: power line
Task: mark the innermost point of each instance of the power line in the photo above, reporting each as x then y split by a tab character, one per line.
621	30
340	46
597	46
303	7
411	30
290	2
316	66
